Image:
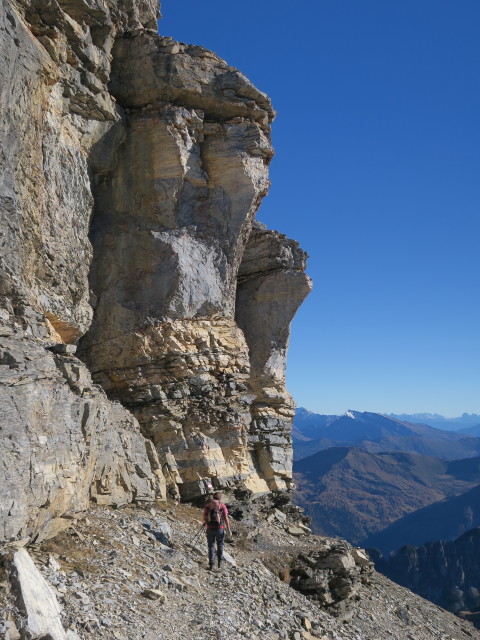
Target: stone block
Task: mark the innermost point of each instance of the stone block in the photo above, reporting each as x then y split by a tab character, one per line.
37	599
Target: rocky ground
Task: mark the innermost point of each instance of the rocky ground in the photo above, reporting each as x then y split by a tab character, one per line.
123	574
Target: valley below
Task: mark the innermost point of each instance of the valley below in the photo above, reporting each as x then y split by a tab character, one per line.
370	482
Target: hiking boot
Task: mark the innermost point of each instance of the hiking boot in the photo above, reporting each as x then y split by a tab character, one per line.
219	564
210	567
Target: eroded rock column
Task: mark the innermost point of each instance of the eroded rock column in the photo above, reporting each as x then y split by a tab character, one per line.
272	284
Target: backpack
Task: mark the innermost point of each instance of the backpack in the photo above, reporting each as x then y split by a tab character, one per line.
215	515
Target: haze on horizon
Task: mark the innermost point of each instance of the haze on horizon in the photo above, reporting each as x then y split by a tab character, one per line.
432	414
377	145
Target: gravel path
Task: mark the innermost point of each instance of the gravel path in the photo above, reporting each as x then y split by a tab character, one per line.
117	581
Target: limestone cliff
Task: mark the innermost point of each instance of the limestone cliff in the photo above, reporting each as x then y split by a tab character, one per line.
55	105
271	286
63	443
132	169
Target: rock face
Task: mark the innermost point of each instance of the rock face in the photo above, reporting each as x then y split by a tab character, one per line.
132	169
63	443
55	105
176	189
271	286
446	573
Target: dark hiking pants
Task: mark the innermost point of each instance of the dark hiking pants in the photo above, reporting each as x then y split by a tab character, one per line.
215	536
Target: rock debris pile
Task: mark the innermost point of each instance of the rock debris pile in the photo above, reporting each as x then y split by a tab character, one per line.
332	573
120	574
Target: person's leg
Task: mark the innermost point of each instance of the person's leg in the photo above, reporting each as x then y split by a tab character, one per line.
220	543
211	539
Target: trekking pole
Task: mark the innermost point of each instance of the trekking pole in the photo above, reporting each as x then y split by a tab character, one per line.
197	540
195	536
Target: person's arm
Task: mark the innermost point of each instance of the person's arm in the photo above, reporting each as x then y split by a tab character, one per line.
227	521
205	521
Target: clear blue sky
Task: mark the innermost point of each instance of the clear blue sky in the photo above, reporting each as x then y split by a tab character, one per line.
376	174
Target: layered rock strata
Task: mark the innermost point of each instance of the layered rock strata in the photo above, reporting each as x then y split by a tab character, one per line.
271	286
150	158
62	442
176	189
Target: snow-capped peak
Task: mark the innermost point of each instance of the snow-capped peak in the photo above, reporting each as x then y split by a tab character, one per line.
350	414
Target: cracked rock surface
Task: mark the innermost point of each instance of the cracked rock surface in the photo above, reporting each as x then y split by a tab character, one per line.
176	188
63	443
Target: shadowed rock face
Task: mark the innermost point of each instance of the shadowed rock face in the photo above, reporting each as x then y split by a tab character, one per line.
132	169
55	105
447	573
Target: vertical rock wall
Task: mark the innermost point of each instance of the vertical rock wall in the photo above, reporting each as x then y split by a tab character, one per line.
173	213
55	105
174	210
132	169
272	284
62	442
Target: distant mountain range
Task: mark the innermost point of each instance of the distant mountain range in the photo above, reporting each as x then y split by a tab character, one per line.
403	486
472	431
308	423
353	493
463	423
378	433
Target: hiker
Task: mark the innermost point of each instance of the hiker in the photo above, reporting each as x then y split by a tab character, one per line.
215	519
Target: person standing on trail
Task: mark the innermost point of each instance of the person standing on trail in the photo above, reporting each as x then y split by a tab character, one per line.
215	519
